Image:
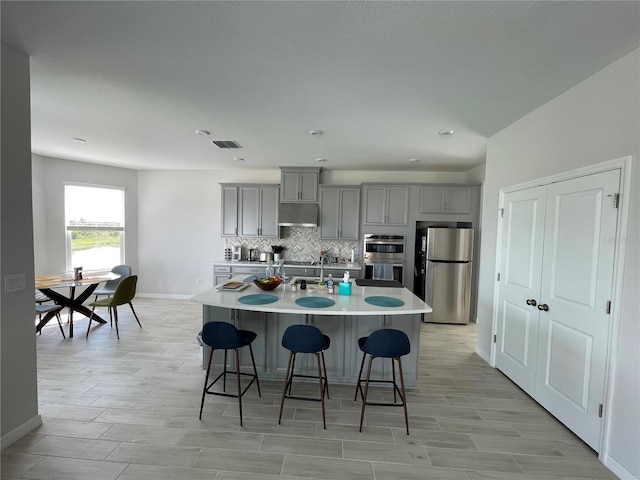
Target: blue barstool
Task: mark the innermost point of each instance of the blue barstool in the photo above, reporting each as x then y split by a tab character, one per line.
224	336
384	343
305	339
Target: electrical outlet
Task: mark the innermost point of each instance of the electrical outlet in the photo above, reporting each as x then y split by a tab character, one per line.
197	281
14	283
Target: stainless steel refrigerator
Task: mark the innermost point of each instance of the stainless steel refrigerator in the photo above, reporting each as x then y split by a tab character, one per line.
447	265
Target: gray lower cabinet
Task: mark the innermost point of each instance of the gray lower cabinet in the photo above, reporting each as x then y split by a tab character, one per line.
221	274
337	328
339	212
445	199
385	205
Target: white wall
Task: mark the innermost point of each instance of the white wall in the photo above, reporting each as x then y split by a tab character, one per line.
595	121
49	177
19	393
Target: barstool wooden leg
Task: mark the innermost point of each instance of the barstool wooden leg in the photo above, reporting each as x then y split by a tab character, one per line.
239	384
287	379
224	372
358	388
404	396
393	376
326	378
324	416
293	368
206	379
366	391
255	371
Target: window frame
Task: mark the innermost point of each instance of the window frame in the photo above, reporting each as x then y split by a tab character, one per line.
68	229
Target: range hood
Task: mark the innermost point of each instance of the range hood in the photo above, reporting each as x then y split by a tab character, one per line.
298	215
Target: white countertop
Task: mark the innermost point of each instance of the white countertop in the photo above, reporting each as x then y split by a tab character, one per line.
353	304
327	266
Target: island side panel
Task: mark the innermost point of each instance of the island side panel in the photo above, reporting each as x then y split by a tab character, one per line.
343	358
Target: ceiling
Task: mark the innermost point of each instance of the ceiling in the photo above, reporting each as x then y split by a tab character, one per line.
379	79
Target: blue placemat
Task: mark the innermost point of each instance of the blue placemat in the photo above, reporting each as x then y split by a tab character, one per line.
315	302
384	301
258	299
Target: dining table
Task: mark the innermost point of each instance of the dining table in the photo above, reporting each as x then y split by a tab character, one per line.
50	284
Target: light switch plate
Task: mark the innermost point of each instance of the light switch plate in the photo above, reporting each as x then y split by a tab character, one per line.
14	283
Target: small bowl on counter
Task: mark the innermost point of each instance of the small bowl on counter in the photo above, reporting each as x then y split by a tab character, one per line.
267	283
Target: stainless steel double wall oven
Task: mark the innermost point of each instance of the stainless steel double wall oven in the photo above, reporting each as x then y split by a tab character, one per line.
390	249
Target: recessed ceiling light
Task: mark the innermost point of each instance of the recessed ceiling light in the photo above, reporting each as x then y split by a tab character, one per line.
321	160
204	133
316	133
413	160
445	132
79	140
238	159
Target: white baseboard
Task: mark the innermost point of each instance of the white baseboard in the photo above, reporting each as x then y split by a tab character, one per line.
484	355
618	469
20	431
164	295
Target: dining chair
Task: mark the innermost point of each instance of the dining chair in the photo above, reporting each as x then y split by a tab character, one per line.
44	309
110	286
124	293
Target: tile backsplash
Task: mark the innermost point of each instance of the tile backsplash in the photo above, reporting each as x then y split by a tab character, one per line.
300	244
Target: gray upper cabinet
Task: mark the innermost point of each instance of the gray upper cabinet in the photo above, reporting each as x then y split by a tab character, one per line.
339	212
385	205
445	199
299	184
258	211
250	210
229	210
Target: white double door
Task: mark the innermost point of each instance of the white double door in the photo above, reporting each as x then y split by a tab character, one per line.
556	274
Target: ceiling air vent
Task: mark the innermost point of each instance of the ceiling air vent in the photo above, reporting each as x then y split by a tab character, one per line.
226	143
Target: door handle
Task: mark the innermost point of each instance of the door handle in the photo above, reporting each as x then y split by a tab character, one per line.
544	307
532	302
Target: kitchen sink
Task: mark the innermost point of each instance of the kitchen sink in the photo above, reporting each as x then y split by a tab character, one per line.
309	280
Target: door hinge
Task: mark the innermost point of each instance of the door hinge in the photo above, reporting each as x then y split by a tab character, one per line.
616	199
498	277
501	210
608	307
495	338
600	410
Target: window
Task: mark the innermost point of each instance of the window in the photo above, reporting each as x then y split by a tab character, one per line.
94	218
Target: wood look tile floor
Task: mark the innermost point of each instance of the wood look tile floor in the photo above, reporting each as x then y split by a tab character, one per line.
128	410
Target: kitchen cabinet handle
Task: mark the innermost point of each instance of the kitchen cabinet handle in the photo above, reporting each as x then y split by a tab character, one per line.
544	307
532	302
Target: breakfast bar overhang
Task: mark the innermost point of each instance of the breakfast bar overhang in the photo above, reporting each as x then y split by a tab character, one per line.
350	317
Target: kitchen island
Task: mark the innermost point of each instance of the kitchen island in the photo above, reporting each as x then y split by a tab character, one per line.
349	318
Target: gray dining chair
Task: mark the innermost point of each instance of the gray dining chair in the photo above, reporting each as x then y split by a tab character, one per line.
110	286
44	309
